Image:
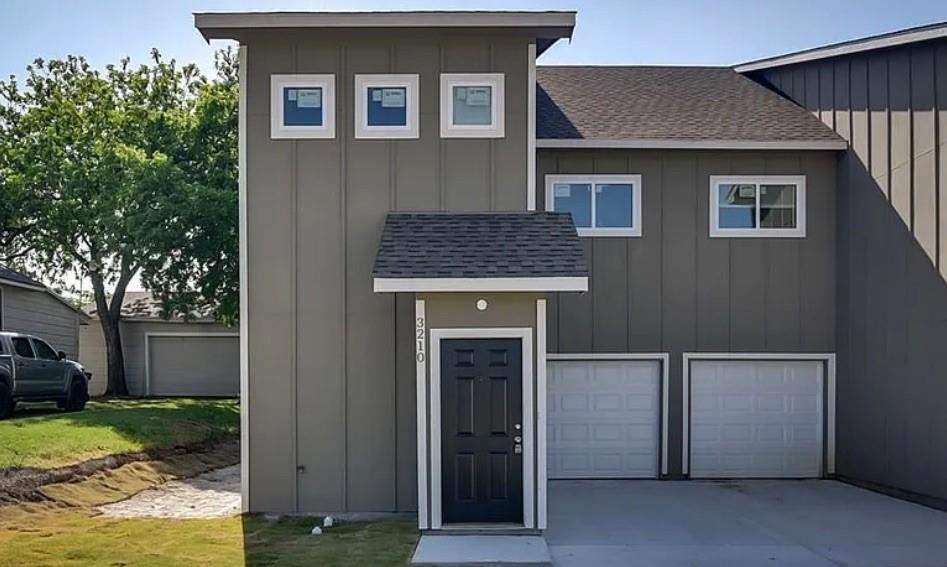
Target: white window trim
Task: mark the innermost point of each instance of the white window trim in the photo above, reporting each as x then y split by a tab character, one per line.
496	127
525	335
633	179
798	232
407	81
280	131
829	384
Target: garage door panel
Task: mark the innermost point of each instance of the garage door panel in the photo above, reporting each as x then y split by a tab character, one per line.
603	419
194	365
756	419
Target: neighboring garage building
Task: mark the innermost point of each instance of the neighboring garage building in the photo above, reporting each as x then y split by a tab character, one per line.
28	306
166	357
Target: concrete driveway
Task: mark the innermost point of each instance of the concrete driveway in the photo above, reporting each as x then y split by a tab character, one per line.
807	523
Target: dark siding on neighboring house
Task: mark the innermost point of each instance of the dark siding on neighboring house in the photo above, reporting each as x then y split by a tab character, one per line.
332	379
676	290
891	105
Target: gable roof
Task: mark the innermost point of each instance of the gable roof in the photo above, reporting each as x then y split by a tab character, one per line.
657	106
891	39
17	279
142	305
530	244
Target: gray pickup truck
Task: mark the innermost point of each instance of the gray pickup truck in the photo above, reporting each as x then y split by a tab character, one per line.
31	370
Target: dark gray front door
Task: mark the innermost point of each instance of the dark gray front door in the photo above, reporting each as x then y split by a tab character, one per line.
481	430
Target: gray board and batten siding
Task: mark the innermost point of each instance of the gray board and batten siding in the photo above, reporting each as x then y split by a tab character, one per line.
339	426
891	105
675	289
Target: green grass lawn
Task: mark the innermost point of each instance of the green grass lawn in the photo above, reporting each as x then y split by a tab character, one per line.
46	438
71	538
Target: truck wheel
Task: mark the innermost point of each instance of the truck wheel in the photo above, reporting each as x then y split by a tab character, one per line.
6	401
78	395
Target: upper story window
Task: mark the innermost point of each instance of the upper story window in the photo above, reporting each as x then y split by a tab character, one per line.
601	205
758	206
302	106
472	105
386	106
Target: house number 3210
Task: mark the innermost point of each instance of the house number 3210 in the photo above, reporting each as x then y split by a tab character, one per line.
420	339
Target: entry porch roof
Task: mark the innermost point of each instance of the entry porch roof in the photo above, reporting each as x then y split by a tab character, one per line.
533	251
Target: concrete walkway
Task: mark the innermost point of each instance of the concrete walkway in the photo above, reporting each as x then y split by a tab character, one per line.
739	523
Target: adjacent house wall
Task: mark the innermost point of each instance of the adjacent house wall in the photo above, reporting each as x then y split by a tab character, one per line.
38	313
891	105
331	374
92	353
676	290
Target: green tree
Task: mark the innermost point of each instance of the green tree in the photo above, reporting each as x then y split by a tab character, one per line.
120	176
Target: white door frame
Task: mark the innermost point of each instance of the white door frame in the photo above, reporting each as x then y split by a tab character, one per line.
148	337
829	385
664	359
525	334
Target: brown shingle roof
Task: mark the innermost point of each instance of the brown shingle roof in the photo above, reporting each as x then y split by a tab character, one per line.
142	305
667	103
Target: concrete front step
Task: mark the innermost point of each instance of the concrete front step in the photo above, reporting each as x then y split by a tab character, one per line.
448	550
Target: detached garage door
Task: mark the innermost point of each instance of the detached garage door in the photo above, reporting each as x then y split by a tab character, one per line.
603	419
756	419
194	366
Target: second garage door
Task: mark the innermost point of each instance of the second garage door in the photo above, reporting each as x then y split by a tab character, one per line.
756	419
194	365
603	418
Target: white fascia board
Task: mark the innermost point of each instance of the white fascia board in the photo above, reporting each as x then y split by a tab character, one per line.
846	48
417	285
419	19
832	145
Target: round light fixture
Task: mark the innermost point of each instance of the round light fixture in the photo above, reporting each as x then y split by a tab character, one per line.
481	305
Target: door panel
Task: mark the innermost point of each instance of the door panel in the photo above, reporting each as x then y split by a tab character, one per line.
756	419
603	418
29	377
481	417
50	370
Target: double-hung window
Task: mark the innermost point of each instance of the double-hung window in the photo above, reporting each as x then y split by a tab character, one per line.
601	205
386	106
302	106
472	105
767	206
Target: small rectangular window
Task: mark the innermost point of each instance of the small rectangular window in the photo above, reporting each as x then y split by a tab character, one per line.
302	106
601	205
386	106
472	105
757	206
22	348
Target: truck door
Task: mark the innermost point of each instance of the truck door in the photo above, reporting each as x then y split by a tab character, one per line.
52	370
26	368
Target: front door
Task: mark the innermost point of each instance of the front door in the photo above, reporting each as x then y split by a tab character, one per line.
481	425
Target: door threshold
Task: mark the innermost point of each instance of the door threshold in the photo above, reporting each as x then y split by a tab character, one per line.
484	529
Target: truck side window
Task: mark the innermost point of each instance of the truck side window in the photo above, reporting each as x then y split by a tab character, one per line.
44	351
21	345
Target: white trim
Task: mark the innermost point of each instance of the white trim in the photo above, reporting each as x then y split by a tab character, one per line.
636	190
531	128
665	359
244	285
496	82
420	357
542	479
798	232
148	337
672	144
846	48
205	21
525	334
829	383
278	130
387	285
407	81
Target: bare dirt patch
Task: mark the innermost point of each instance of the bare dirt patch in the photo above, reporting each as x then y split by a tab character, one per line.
214	494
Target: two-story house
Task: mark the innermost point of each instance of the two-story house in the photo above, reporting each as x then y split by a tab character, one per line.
463	275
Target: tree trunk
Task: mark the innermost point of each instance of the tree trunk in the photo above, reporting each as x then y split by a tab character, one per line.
116	358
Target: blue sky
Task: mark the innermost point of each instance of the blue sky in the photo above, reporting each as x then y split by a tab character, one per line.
708	32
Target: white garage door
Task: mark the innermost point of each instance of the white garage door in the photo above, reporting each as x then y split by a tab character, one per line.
194	366
756	419
603	419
